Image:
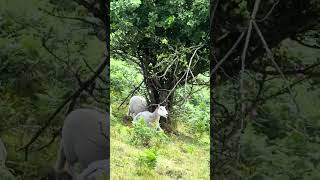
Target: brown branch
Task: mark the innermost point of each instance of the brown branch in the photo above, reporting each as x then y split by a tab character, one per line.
132	92
269	12
242	72
235	45
93	71
270	55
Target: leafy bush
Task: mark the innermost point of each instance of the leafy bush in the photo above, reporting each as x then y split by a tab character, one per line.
146	136
193	109
123	78
148	158
195	116
292	157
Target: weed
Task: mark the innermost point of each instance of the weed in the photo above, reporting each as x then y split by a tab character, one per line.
148	158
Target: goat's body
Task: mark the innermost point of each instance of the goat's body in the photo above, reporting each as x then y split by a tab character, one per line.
137	104
85	139
152	118
149	118
3	154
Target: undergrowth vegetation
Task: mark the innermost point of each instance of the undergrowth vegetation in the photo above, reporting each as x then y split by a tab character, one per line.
143	135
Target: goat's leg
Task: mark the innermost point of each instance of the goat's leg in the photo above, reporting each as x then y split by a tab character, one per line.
71	170
158	126
129	112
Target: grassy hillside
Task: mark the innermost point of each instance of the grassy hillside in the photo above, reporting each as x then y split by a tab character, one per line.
183	157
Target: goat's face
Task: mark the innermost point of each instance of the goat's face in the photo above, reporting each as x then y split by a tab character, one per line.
162	111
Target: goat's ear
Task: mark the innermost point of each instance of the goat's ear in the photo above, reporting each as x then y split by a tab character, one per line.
158	105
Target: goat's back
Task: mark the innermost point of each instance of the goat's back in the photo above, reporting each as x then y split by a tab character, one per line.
85	136
148	116
137	104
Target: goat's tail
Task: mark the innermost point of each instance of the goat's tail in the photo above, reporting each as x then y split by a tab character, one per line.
60	163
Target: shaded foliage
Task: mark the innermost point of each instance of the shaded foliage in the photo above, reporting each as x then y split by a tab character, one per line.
49	49
263	115
166	39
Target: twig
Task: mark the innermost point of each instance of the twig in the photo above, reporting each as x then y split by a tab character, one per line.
269	12
132	92
171	91
269	53
235	45
242	72
190	61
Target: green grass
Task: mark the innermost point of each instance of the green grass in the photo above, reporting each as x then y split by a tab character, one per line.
183	157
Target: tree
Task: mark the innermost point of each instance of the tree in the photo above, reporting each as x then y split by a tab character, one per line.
248	61
47	62
166	39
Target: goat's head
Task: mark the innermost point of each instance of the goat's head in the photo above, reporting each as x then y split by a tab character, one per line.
162	111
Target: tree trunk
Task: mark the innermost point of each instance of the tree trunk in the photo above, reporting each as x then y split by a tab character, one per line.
167	123
159	94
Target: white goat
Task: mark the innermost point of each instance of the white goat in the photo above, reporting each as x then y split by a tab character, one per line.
85	139
137	104
150	118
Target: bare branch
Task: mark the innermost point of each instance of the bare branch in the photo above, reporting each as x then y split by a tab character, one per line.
132	92
235	45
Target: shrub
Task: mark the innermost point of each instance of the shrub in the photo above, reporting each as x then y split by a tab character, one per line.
195	117
148	158
146	136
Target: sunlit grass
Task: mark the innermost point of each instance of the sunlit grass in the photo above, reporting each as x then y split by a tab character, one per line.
184	157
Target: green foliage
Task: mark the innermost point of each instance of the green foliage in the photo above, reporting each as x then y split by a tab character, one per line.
148	158
161	36
290	157
175	20
5	174
198	118
166	156
39	56
102	177
146	136
124	77
195	111
242	8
